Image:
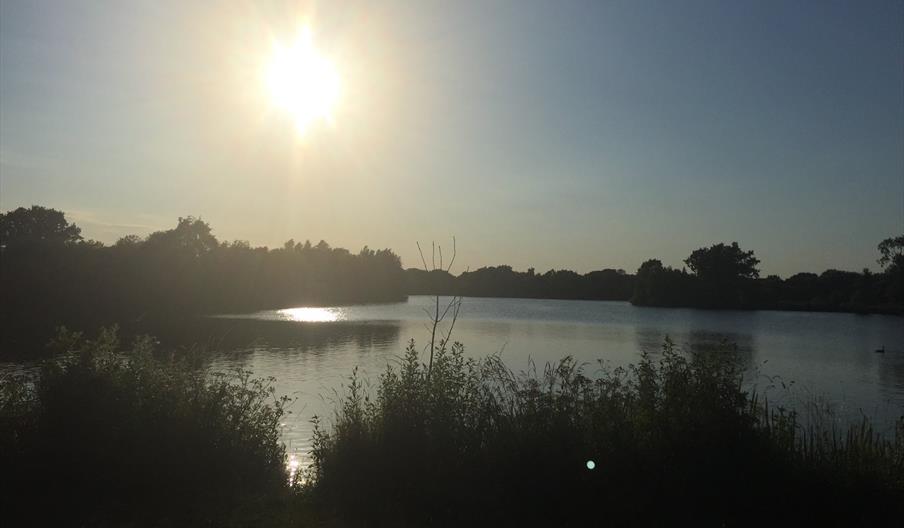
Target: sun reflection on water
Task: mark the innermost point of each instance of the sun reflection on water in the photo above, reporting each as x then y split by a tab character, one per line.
313	315
293	466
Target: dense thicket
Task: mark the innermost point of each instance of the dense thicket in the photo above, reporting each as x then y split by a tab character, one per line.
49	275
673	440
106	435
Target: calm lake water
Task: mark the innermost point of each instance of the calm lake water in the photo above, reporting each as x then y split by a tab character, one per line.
794	358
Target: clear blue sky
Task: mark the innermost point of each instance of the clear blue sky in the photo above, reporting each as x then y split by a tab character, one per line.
546	134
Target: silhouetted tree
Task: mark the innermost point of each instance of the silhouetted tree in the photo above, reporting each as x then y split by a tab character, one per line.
722	270
723	263
128	241
503	281
892	250
658	285
892	261
725	276
49	276
36	225
191	235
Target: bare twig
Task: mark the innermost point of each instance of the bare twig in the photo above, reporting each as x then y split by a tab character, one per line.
454	251
422	256
454	304
433	337
457	302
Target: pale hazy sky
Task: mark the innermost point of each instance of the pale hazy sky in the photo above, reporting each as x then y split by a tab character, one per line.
554	134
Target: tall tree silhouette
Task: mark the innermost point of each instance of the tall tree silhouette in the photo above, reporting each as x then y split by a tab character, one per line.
36	226
723	270
892	251
892	261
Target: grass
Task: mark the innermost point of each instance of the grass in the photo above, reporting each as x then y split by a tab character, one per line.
107	435
672	439
103	436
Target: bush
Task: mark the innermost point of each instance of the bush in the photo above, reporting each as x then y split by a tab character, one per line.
101	436
671	438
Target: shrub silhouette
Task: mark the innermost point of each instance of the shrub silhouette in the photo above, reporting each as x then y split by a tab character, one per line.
672	438
106	436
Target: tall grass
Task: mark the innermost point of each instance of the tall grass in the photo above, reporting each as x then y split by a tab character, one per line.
855	455
112	435
672	438
107	435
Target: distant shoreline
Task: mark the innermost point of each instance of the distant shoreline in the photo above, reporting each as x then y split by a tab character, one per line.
873	310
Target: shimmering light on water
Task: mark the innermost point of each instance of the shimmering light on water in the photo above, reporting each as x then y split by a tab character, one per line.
313	351
312	315
293	465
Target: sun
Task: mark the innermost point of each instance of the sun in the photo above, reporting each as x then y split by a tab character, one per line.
303	82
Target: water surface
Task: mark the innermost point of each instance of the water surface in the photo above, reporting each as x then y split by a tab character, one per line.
794	358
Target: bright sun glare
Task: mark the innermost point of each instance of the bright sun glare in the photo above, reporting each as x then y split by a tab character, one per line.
303	82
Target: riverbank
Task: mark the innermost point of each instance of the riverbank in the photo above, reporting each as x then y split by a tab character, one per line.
790	306
116	435
779	306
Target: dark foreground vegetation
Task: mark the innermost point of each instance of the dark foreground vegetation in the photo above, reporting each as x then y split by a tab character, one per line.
717	277
103	436
674	441
50	275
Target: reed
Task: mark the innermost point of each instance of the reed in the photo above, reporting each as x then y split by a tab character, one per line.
672	438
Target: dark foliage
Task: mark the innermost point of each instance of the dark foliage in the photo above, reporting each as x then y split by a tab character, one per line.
721	271
892	261
674	441
102	436
892	251
720	276
503	281
36	226
107	437
48	277
658	285
725	276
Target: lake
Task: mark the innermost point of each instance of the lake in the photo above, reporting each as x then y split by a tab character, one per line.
793	358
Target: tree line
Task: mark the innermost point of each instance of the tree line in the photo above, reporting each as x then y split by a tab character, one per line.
51	275
726	276
722	276
503	281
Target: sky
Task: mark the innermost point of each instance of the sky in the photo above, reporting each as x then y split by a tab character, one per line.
565	135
